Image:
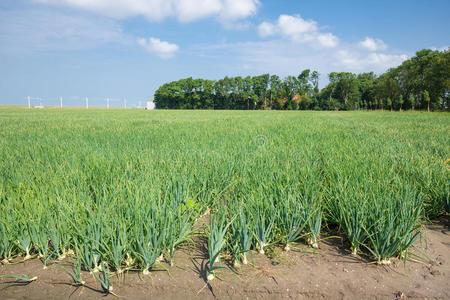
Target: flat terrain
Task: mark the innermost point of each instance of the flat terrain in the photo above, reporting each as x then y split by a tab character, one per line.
123	187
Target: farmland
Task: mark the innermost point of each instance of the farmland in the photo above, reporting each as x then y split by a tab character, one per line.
115	191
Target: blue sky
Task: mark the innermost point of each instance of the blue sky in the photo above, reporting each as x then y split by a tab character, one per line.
126	49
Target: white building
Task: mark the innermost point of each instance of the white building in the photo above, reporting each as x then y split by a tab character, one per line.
150	103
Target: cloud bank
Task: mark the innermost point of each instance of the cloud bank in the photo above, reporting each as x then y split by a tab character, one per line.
158	10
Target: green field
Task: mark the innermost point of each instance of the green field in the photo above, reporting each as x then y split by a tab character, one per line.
125	188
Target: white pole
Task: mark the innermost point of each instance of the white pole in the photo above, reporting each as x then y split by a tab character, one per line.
29	102
107	102
140	102
124	103
60	102
87	102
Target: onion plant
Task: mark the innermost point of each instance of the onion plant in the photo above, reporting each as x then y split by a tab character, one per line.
263	223
393	223
179	230
6	243
147	247
353	209
116	247
88	255
75	274
313	207
104	279
292	220
241	236
218	226
40	240
24	241
55	237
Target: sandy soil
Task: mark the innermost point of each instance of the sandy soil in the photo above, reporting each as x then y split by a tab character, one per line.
330	273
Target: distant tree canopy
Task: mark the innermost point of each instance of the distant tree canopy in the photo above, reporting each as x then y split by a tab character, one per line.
422	82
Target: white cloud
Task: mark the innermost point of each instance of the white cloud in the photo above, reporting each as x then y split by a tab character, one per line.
372	44
238	9
298	29
160	48
158	10
320	50
294	26
349	59
266	29
190	10
328	40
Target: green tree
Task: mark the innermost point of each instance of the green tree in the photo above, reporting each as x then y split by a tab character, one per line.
389	102
400	101
412	100
274	92
366	86
424	79
426	98
344	87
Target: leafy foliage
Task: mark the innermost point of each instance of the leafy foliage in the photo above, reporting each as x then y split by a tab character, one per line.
422	82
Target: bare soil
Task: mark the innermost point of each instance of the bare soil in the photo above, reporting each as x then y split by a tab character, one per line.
330	273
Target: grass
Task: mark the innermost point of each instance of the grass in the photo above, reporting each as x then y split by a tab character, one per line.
122	189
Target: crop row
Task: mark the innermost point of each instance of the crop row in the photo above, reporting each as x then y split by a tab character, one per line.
131	195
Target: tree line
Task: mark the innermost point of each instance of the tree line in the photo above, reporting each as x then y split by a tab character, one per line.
421	82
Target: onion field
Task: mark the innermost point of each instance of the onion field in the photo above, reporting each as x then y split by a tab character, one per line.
123	190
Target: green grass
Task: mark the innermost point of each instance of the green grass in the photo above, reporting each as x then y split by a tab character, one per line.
124	188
